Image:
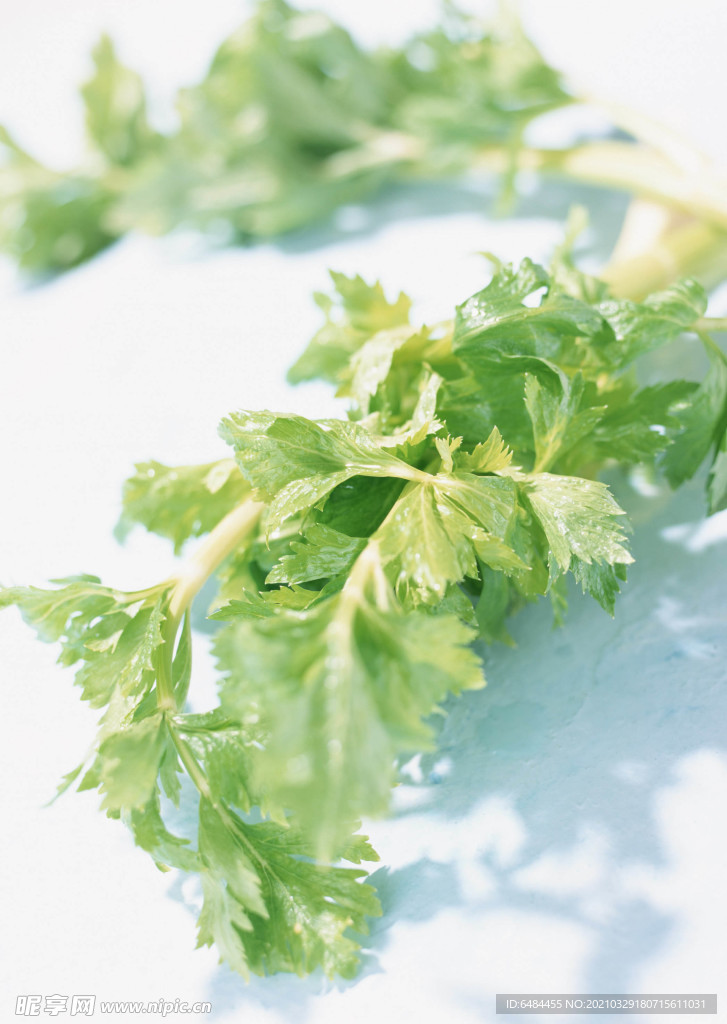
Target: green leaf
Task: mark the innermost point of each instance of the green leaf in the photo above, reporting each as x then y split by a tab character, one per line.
128	665
566	350
392	539
116	108
355	313
222	923
341	689
169	769
321	553
429	542
67	781
182	663
224	853
285	913
180	502
636	424
493	606
357	849
224	747
579	518
79	599
489	457
496	322
372	364
559	423
487	89
436	532
641	327
600	579
50	222
358	506
717	484
298	462
151	834
489	500
366	307
114	634
292	120
701	421
130	762
469	407
310	910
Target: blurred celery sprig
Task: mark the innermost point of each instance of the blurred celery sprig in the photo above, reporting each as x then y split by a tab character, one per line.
292	120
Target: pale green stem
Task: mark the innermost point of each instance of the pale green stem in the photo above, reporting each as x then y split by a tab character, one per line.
655	134
711	323
633	167
691	250
366	568
220	543
622	165
229	533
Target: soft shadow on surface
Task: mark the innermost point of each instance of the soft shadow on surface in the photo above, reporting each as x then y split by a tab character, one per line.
539	805
539	199
546	783
546	198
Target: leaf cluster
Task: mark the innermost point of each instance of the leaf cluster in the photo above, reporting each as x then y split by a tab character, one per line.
462	485
267	904
292	120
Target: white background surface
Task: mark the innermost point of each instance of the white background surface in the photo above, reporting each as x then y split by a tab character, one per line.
575	838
